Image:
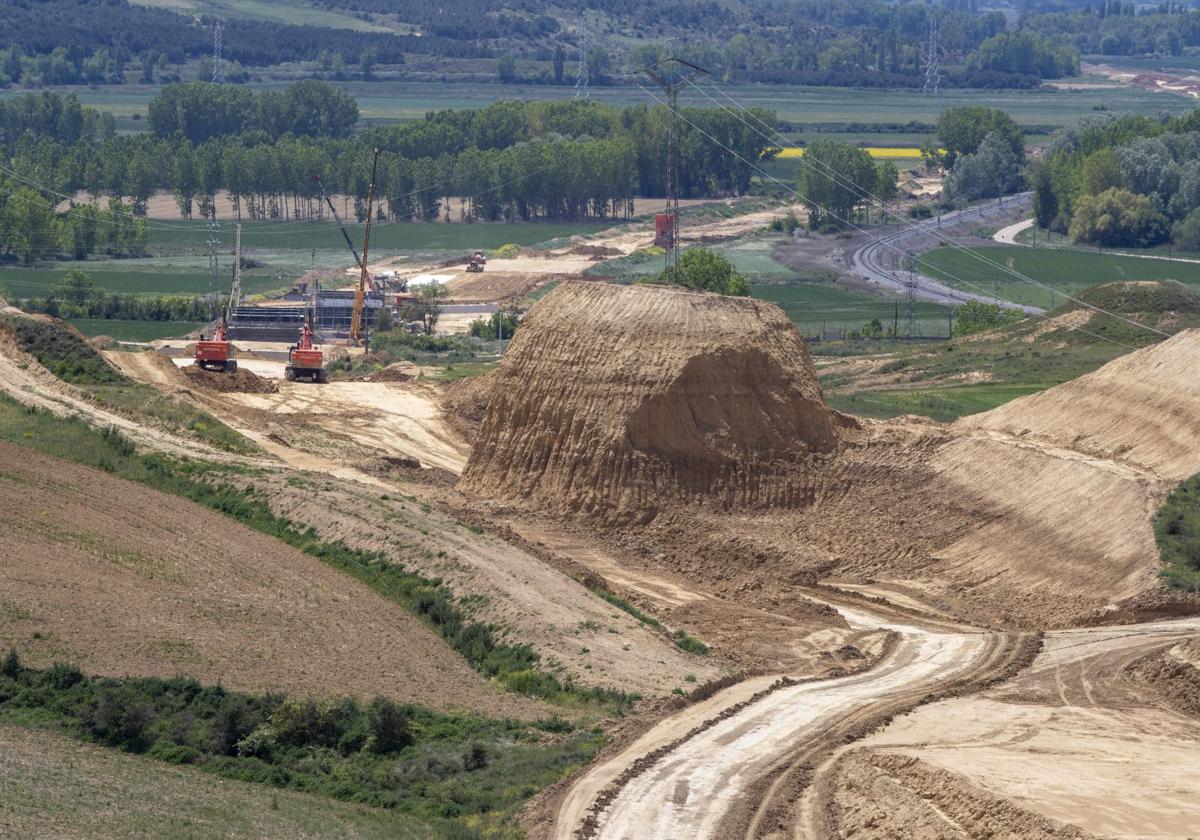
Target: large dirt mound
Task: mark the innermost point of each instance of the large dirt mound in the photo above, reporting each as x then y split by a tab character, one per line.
617	400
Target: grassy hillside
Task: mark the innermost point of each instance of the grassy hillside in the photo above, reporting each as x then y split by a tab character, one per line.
1177	530
53	784
981	371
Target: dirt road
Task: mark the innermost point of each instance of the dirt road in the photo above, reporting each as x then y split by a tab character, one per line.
702	788
1079	738
392	418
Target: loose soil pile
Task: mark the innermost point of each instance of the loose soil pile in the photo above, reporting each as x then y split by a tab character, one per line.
465	403
619	400
239	381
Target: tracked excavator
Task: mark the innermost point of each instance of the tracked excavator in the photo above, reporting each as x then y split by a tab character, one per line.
217	353
305	360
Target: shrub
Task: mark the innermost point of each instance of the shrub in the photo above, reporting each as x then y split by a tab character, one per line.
387	727
506	252
690	643
1177	531
700	268
500	323
1187	231
11	666
476	758
1118	217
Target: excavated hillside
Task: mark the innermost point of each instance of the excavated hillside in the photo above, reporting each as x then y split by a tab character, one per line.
672	410
617	401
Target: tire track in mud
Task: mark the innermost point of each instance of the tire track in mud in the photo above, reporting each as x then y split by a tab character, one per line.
805	807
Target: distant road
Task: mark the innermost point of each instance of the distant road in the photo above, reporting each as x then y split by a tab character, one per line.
869	260
1008	236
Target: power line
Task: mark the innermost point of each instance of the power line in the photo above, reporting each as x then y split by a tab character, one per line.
848	222
930	228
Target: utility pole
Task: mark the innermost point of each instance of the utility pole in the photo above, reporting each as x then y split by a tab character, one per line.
682	72
213	270
910	289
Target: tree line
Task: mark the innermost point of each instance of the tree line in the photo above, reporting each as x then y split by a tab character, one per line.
1128	181
511	160
1117	28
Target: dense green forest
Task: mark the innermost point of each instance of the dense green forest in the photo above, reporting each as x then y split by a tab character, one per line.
840	42
1122	181
566	160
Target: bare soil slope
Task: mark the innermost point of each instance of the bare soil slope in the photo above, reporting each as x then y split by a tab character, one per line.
618	400
122	579
1141	409
698	417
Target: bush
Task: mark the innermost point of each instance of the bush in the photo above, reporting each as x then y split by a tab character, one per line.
413	760
506	252
387	727
1177	532
11	666
1187	231
700	268
1118	217
690	643
921	211
499	324
63	352
973	317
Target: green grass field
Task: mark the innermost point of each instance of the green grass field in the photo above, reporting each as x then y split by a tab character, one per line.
303	237
1066	271
171	276
133	330
814	306
390	101
943	404
179	261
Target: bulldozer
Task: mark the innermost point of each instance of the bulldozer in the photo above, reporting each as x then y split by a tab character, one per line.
476	262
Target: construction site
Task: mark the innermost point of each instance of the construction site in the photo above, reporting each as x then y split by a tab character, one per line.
820	625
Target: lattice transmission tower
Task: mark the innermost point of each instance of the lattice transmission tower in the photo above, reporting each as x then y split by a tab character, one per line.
218	59
933	52
671	74
582	72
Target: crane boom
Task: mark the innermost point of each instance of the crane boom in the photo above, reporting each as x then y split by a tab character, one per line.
342	227
356	325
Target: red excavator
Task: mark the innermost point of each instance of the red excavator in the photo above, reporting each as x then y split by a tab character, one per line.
216	353
304	360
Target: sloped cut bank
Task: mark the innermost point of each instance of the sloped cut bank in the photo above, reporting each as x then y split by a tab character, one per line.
615	401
